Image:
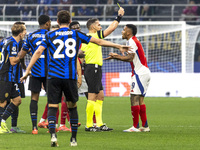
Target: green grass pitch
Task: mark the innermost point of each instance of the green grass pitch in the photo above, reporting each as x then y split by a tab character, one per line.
174	124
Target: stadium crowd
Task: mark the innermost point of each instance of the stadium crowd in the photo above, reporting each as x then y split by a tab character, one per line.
84	8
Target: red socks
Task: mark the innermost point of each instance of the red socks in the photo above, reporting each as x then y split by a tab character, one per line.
44	116
143	115
135	110
94	118
64	113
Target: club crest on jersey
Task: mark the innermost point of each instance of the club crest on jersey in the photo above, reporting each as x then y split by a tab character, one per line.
6	95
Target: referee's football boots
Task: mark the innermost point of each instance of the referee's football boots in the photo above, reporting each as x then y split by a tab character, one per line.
92	129
105	128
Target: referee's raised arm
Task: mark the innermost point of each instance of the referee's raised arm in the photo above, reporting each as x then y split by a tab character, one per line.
115	23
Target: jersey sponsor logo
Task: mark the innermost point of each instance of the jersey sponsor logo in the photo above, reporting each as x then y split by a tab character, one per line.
38	36
64	33
13	52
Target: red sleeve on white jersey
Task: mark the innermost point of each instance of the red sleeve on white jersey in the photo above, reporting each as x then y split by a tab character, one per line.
140	51
80	46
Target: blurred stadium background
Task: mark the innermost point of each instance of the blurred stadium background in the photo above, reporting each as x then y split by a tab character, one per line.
167	29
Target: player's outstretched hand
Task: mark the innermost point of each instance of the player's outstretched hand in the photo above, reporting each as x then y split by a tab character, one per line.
124	48
107	58
25	76
81	54
121	11
111	56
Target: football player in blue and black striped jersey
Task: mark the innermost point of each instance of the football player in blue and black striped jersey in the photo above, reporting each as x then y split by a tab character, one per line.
20	85
63	45
9	60
39	70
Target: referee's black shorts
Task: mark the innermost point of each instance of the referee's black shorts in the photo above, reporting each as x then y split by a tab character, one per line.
93	76
35	84
55	88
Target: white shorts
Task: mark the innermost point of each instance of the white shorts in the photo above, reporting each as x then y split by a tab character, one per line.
140	84
84	87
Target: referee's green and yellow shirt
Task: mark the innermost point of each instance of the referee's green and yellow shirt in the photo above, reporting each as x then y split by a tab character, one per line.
93	52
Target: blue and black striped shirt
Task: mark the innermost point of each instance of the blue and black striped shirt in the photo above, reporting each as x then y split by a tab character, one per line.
10	49
63	45
32	42
17	69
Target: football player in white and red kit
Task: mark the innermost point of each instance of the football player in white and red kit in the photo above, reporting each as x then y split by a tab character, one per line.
139	80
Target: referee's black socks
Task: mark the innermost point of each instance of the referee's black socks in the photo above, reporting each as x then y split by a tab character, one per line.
73	121
33	113
52	119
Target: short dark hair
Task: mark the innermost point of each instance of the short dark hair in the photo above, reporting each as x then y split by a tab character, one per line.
17	28
133	28
1	37
63	17
90	22
43	19
73	23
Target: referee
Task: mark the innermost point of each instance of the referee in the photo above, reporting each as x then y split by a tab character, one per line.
93	72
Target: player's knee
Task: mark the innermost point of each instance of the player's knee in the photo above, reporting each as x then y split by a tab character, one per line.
3	103
135	99
19	101
71	105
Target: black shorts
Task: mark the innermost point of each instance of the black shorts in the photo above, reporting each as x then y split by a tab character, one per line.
35	84
56	86
93	76
21	89
8	90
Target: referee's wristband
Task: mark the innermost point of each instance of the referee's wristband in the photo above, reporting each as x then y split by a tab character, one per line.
118	18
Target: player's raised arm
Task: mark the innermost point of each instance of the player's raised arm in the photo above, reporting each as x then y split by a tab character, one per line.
34	58
115	23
